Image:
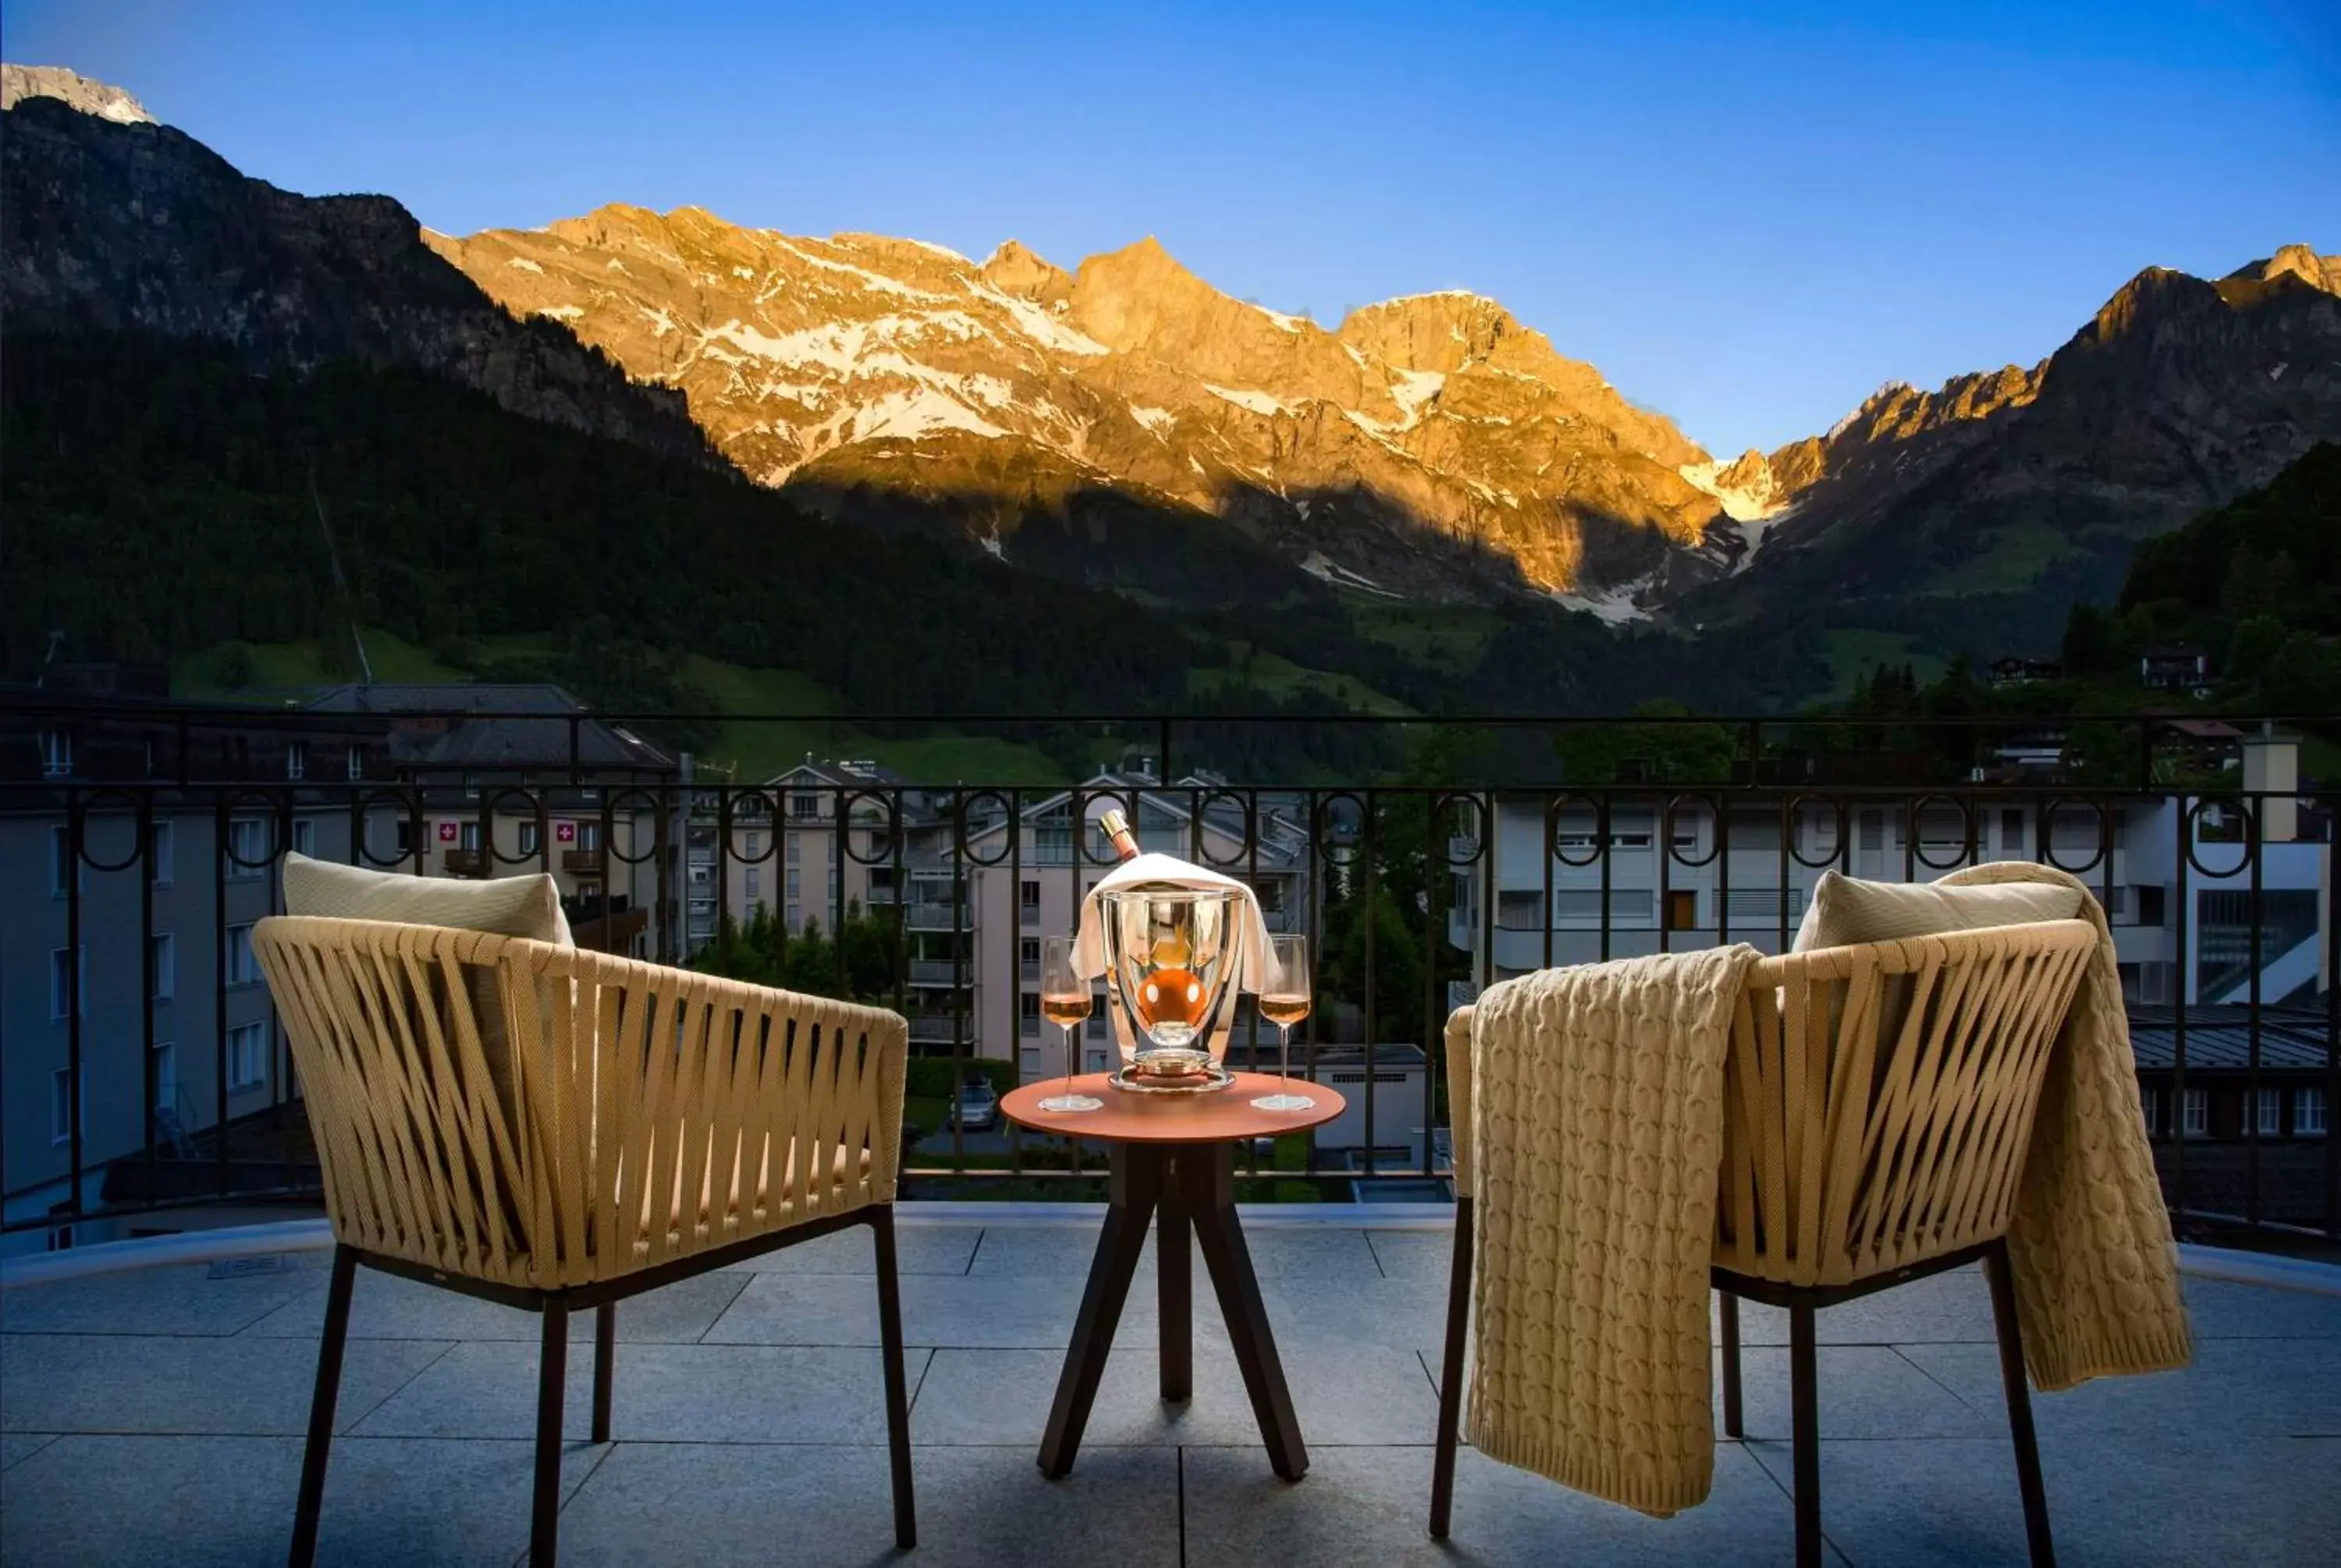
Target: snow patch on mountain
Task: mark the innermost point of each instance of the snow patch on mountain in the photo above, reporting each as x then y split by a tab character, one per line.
1614	606
1753	503
1319	565
1245	397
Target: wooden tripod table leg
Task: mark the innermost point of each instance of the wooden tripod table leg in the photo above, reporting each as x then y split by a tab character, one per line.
1132	1190
1174	1292
1206	1176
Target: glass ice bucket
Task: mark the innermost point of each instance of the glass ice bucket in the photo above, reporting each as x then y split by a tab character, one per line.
1174	965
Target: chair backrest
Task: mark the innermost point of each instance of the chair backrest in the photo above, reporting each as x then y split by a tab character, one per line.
1879	1099
631	1092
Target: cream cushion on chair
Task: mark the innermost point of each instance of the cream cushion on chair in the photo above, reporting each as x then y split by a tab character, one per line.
502	905
1847	912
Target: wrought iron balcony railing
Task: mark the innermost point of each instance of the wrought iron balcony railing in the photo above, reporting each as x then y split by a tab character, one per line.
129	898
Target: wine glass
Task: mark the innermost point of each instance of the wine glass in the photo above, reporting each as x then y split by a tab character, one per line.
1284	1002
1064	1002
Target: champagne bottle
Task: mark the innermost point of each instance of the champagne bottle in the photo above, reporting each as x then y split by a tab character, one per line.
1170	996
1116	828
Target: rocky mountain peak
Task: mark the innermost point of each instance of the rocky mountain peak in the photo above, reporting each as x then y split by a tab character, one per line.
1015	269
1441	332
2293	261
72	88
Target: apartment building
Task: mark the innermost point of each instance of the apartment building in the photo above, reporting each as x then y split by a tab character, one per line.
139	966
1689	874
137	850
807	845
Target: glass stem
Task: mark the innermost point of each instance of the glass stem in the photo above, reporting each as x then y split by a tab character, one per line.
1284	1055
1069	1061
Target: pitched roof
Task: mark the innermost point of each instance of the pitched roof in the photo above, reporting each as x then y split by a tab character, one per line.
480	726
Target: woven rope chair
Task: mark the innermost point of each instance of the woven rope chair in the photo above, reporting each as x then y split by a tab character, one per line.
1878	1101
646	1124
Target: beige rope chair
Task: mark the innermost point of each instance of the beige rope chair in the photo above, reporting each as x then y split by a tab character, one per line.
1878	1101
629	1127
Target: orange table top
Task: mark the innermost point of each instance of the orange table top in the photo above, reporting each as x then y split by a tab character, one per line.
1222	1116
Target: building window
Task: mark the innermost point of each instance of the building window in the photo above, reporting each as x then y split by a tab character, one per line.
796	917
589	836
243	969
296	760
528	839
1518	912
247	847
166	1076
354	764
750	843
2194	1114
1029	900
403	838
753	882
1682	909
804	804
2308	1113
796	884
2153	904
165	960
2011	830
68	988
57	753
61	1105
2269	1105
796	850
164	845
1028	1013
61	858
304	836
2149	1103
247	1057
467	836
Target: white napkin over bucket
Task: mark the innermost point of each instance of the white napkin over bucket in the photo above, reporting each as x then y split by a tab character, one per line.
1167	870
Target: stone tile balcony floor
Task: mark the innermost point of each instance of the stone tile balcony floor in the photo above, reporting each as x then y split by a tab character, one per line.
154	1415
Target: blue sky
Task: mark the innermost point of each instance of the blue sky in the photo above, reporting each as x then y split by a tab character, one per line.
1748	216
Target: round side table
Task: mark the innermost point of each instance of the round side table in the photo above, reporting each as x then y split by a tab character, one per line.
1172	1163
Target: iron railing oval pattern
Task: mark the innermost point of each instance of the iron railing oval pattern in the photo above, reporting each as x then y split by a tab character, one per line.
1965	850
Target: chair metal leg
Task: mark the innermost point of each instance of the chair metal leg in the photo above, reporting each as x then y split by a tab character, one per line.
898	1393
605	1357
1727	1310
552	1375
319	1448
1451	1374
2019	1407
1805	1436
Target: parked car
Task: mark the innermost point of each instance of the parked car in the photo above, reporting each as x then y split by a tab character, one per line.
976	1108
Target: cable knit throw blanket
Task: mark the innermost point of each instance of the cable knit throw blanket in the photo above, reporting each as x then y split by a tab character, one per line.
1592	1148
2094	1265
1595	1146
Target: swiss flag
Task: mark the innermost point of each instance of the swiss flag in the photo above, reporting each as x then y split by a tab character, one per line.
446	832
564	832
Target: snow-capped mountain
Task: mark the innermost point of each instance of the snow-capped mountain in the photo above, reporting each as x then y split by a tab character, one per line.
102	99
1429	445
